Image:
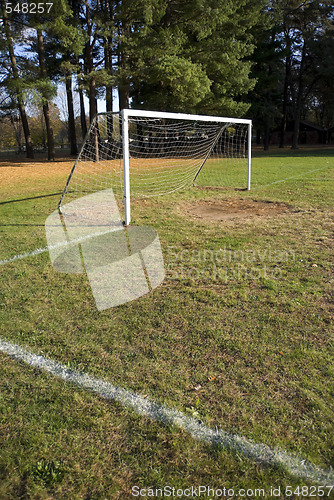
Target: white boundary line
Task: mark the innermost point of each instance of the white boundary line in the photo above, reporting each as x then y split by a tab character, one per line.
57	245
288	178
257	452
261	453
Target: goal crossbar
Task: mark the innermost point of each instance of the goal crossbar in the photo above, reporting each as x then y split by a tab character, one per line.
181	116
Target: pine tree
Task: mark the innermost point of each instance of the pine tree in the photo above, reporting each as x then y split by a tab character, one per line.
62	62
46	92
195	57
302	25
267	69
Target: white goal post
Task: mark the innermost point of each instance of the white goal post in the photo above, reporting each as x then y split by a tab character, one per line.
140	153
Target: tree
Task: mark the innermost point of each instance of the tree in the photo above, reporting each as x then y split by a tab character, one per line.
288	65
195	57
14	81
11	121
63	64
268	69
75	7
38	128
321	102
46	89
303	25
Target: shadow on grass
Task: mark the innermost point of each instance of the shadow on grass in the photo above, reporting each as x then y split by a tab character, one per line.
303	151
31	198
21	225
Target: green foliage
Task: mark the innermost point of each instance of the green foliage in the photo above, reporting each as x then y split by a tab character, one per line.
175	84
207	42
45	90
101	77
289	66
268	69
71	39
233	57
48	472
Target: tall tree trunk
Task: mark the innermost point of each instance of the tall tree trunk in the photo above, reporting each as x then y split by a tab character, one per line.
83	122
49	131
89	65
71	120
123	94
43	130
287	82
299	100
109	88
108	67
266	134
284	116
92	99
19	96
89	71
108	54
25	125
46	111
17	131
122	57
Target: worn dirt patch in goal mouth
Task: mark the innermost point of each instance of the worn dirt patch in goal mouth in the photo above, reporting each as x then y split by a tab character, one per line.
235	208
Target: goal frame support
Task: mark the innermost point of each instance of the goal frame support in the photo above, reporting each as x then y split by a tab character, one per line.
249	155
126	167
127	113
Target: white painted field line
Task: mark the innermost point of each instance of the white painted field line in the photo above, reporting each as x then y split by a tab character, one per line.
57	245
293	177
257	452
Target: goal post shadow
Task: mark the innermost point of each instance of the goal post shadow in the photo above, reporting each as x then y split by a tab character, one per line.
122	264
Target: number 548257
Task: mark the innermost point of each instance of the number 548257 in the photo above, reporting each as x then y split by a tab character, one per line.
29	8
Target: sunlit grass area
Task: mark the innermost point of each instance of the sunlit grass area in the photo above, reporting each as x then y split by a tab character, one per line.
238	336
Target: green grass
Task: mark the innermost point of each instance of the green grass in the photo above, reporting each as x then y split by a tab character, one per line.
244	312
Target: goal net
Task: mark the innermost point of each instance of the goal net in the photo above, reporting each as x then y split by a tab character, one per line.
141	154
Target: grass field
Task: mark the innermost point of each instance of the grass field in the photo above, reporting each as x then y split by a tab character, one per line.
239	337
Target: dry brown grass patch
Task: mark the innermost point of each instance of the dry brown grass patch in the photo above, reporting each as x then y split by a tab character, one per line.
234	208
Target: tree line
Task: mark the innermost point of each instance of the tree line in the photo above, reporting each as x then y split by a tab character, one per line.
270	61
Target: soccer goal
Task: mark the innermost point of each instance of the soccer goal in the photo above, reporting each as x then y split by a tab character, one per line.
145	153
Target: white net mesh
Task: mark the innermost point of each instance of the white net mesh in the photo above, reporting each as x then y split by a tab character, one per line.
165	155
99	165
